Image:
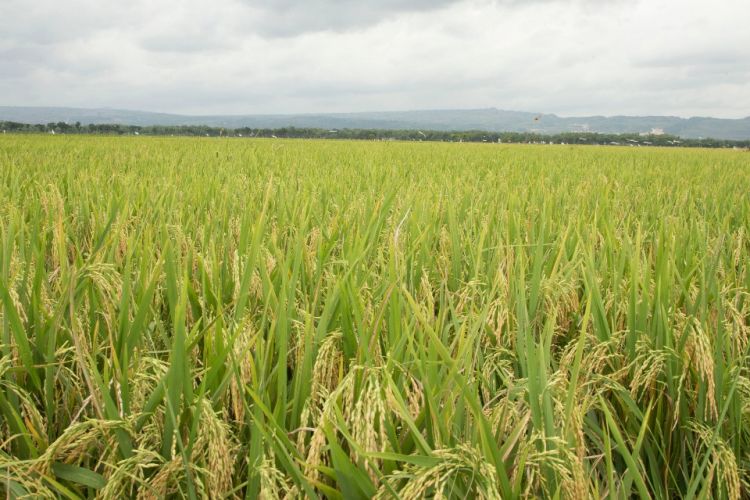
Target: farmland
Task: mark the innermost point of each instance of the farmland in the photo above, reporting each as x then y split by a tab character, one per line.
241	318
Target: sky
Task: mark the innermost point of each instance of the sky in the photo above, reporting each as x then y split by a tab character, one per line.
570	57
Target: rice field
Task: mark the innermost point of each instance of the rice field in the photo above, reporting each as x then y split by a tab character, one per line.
218	318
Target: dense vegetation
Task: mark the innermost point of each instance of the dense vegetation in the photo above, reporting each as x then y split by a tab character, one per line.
376	134
227	318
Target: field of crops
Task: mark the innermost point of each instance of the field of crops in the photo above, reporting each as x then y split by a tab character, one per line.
265	318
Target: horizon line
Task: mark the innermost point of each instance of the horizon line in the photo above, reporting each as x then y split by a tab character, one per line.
410	110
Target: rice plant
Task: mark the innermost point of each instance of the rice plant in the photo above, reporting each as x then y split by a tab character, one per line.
298	319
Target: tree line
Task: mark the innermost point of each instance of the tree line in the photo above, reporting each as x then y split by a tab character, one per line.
664	140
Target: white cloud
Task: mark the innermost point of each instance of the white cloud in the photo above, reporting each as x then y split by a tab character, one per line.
572	57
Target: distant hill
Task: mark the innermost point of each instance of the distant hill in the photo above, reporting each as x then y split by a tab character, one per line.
491	119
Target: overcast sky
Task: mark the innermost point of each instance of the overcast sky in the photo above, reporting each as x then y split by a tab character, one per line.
571	57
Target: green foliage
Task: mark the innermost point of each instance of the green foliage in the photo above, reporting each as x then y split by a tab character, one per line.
222	318
591	138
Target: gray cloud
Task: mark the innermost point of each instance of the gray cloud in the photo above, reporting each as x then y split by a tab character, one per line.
284	18
48	23
725	57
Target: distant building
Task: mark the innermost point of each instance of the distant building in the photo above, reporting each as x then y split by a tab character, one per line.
653	131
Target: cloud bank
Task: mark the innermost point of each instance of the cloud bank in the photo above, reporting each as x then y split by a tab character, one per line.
571	57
